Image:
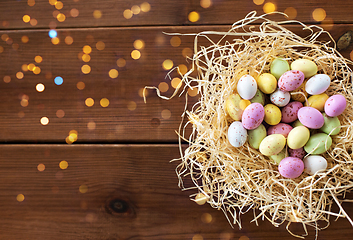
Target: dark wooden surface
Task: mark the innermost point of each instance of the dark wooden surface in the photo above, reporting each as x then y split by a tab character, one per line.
123	150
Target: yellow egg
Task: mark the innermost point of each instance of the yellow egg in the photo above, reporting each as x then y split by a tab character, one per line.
308	67
273	114
267	83
235	106
299	93
272	144
298	137
318	101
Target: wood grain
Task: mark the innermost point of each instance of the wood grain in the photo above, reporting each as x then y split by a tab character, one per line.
141	175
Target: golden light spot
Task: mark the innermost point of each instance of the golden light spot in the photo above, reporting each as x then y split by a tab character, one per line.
31	3
56	13
38	59
160	40
55	41
127	13
52	2
9	41
206	218
89	102
192	92
226	236
21	114
121	62
80	85
197	237
15	46
244	238
145	7
59	5
135	9
40	87
68	141
5	23
74	12
20	198
1	49
131	105
61	17
176	82
79	55
69	40
163	87
86	69
183	69
63	164
36	70
44	121
193	16
100	45
258	2
187	52
31	66
41	167
24	67
7	79
26	18
291	12
319	14
73	136
87	49
19	75
139	44
201	199
104	102
175	41
60	113
166	114
167	64
269	7
205	3
4	37
86	57
24	39
24	102
135	54
83	188
33	22
97	14
91	125
327	24
113	73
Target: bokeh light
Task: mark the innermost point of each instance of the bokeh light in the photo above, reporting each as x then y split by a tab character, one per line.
183	68
163	86
52	2
19	75
121	62
187	52
258	2
166	114
291	12
104	102
131	105
58	80
36	70
206	218
80	85
135	54
40	87
61	17
113	73
135	9
31	3
319	14
97	14
167	64
44	121
193	16
244	238
192	92
31	66
100	45
200	199
86	57
69	40
38	59
83	188
24	39
91	125
87	49
205	3
197	237
59	5
176	82
127	13
63	164
26	18
175	41
74	12
145	7
20	197
269	7
55	41
41	167
7	79
86	69
327	24
60	113
89	102
139	44
33	21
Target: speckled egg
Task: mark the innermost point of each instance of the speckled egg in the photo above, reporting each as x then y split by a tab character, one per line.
314	163
291	80
332	125
259	98
279	156
290	112
299	94
273	114
235	106
308	67
272	144
318	101
311	117
317	84
280	128
291	167
335	105
256	136
253	116
237	134
247	87
280	98
298	153
318	143
267	83
298	137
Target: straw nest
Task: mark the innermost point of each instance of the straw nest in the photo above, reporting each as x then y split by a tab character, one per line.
237	180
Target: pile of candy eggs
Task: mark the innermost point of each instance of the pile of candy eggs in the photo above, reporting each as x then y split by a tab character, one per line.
296	126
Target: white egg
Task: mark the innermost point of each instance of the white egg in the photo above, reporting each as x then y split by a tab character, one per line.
247	87
280	98
314	163
317	84
237	134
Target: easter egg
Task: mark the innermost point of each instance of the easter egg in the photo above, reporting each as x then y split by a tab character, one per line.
267	83
256	135
291	167
290	112
335	105
253	116
299	94
235	106
314	163
247	87
317	101
298	137
237	134
279	156
332	125
308	67
298	153
311	117
280	98
297	123
280	128
272	144
258	98
291	80
317	84
278	67
318	143
273	114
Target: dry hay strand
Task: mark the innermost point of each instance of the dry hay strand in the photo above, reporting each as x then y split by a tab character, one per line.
237	180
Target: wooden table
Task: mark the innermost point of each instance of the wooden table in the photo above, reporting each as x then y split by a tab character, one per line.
82	156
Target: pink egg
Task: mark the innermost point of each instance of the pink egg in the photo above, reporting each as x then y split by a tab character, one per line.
298	153
335	105
291	80
280	128
291	167
311	117
290	112
253	116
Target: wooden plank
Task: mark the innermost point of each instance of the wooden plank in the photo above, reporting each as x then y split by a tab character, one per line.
72	203
126	118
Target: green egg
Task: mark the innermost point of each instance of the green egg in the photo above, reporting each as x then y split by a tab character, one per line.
318	143
258	98
279	156
256	136
278	67
297	123
331	124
